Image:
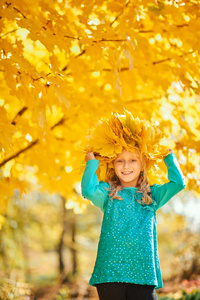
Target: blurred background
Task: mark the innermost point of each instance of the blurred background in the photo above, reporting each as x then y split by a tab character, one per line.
64	65
52	247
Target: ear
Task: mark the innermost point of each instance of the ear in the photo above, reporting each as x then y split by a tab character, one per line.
143	166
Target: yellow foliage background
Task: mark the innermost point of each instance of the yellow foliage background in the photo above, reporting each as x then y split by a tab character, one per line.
65	64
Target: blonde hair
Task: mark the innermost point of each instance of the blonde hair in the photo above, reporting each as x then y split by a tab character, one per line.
142	185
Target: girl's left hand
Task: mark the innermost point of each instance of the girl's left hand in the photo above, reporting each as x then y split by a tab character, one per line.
170	151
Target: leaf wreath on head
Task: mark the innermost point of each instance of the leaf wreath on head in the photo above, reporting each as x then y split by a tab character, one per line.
110	136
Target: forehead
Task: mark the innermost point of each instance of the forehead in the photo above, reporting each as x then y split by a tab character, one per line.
128	154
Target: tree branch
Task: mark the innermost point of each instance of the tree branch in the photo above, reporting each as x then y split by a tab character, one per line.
19	12
80	53
72	37
65	67
117	17
127	69
145	31
110	70
20	113
161	61
14	30
167	59
110	40
149	99
18	153
181	25
8	4
61	122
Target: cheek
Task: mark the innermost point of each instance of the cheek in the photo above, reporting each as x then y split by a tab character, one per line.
116	168
138	166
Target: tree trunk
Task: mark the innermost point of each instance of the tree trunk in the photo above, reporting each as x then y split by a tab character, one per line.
61	243
73	250
68	225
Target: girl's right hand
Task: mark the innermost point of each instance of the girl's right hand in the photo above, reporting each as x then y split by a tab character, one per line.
171	151
89	156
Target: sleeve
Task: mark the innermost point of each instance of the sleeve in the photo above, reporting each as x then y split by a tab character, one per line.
164	192
92	189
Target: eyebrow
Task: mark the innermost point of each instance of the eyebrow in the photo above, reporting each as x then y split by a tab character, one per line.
133	157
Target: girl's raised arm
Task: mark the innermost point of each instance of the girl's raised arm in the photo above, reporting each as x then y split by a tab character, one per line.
164	192
92	189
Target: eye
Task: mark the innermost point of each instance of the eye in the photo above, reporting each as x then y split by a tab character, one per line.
133	160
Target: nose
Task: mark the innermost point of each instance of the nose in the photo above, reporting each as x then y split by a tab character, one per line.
126	164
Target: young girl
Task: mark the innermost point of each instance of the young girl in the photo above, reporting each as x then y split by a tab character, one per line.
127	264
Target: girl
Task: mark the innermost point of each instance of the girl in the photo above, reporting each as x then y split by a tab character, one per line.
127	265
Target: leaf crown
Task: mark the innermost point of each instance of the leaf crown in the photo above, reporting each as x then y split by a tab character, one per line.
110	136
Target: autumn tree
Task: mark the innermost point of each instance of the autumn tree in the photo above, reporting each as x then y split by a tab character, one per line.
65	64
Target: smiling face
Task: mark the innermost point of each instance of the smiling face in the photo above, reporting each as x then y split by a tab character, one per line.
128	167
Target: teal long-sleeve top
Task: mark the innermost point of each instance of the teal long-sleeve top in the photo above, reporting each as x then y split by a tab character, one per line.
127	250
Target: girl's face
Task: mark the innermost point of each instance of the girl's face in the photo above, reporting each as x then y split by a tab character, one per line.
127	167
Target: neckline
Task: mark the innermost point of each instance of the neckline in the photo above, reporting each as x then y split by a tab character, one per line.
130	187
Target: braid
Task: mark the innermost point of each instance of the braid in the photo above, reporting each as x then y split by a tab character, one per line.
144	187
115	186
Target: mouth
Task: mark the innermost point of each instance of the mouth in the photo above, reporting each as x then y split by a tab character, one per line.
127	173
